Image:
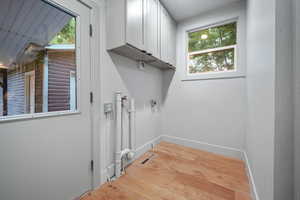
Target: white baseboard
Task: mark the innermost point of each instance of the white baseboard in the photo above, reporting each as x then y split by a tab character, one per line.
222	150
218	149
250	177
110	171
146	147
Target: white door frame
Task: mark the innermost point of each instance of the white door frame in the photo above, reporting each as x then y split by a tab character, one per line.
96	108
99	48
27	91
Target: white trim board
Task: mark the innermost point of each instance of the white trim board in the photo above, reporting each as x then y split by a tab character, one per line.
218	149
45	82
109	172
146	147
222	150
254	193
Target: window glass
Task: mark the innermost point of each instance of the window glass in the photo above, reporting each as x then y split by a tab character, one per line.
215	61
212	49
37	59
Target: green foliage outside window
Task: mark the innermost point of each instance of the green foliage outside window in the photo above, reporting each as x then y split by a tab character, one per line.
67	35
211	38
219	36
212	62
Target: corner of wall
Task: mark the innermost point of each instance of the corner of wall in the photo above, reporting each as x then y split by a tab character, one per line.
250	177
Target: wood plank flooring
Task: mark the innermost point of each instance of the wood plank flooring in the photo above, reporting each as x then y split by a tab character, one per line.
179	173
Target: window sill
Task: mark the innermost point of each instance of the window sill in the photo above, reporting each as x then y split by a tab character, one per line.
213	76
37	116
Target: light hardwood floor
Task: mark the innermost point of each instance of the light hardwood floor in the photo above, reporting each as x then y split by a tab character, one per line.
179	173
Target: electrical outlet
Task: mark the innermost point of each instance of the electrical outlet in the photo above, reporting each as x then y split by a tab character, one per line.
108	108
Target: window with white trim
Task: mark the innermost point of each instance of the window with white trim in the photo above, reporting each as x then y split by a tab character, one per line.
38	69
212	50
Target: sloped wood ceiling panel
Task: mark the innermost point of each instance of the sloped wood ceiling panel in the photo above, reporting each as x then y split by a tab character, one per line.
27	21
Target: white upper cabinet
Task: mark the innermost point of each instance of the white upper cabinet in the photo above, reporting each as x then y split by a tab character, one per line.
173	42
163	34
168	37
152	27
135	23
142	30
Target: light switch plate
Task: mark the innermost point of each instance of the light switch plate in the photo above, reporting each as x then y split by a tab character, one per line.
108	108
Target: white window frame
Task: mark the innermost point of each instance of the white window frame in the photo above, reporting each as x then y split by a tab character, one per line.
45	83
211	51
27	92
238	69
43	114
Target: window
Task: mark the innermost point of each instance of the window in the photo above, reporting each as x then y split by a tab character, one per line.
29	92
212	50
38	70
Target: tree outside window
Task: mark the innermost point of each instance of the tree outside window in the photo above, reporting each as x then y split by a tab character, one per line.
67	34
212	49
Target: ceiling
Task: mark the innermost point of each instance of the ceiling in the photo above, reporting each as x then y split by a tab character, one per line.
183	9
23	22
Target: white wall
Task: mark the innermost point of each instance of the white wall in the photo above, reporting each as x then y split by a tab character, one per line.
39	160
284	130
260	93
211	111
48	158
296	6
122	74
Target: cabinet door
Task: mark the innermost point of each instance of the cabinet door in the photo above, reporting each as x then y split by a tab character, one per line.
169	38
164	34
134	23
173	42
151	27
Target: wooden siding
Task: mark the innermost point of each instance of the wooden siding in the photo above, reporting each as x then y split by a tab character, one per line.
59	67
16	99
39	71
16	88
